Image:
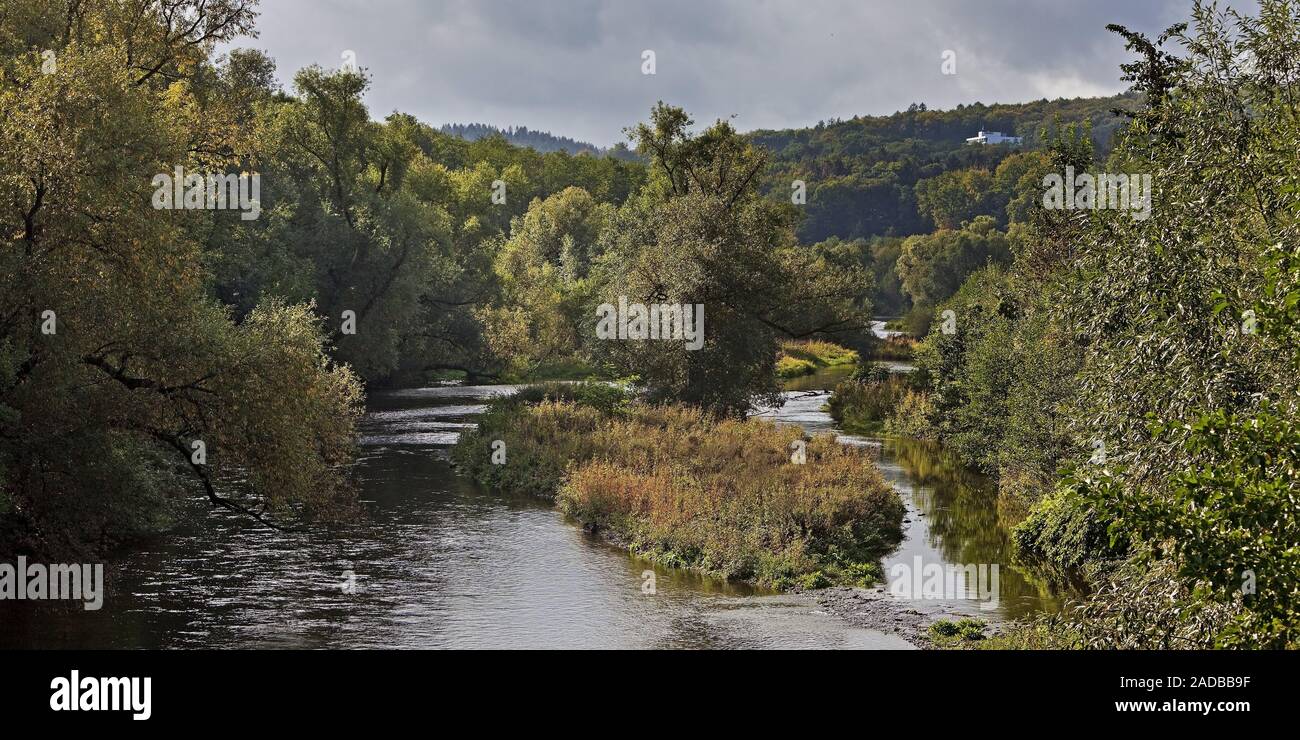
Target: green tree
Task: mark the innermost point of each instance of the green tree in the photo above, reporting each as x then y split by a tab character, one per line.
543	273
933	266
953	198
114	358
699	233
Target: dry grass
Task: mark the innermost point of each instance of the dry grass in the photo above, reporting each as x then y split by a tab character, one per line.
684	488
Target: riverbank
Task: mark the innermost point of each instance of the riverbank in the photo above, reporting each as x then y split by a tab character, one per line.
912	620
438	561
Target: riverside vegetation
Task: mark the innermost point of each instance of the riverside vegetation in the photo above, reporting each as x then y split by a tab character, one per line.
743	499
167	327
380	256
805	357
867	401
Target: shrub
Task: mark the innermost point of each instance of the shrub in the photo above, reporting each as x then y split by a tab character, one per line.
604	397
537	449
1229	520
863	403
893	348
1065	540
540	440
1145	605
1045	633
966	629
912	416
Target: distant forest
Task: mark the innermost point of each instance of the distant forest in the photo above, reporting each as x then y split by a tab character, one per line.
862	173
541	141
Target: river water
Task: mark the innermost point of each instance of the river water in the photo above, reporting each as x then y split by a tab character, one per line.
440	562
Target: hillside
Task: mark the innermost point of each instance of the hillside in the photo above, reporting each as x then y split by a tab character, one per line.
861	173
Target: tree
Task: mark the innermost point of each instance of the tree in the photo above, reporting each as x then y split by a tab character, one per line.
543	273
341	204
1178	431
700	234
120	376
933	266
953	198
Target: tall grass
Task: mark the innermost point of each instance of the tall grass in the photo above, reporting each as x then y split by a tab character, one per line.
793	367
865	402
899	348
543	428
804	357
686	489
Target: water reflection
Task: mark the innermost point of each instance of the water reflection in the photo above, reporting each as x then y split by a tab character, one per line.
954	520
952	517
824	377
437	562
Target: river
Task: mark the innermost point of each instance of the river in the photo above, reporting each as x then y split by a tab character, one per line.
440	562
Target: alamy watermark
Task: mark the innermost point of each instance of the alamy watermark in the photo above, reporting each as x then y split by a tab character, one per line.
53	582
213	191
78	693
1093	192
667	321
946	581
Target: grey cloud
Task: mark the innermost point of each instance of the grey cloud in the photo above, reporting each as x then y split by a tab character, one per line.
574	67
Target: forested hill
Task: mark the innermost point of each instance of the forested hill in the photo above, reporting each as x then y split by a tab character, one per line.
861	174
541	141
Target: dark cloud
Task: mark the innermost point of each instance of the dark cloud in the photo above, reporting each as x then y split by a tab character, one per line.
574	66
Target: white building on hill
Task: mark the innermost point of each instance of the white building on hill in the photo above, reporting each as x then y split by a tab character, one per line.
993	137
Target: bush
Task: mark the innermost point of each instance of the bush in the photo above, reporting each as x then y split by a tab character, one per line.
1229	520
898	348
916	322
946	630
1044	633
912	417
604	397
1145	605
537	446
1065	540
866	401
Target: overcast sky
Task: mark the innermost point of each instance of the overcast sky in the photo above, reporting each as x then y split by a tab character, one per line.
573	67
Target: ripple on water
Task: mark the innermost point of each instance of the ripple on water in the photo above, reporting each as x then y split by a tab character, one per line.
436	562
419	439
382	417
